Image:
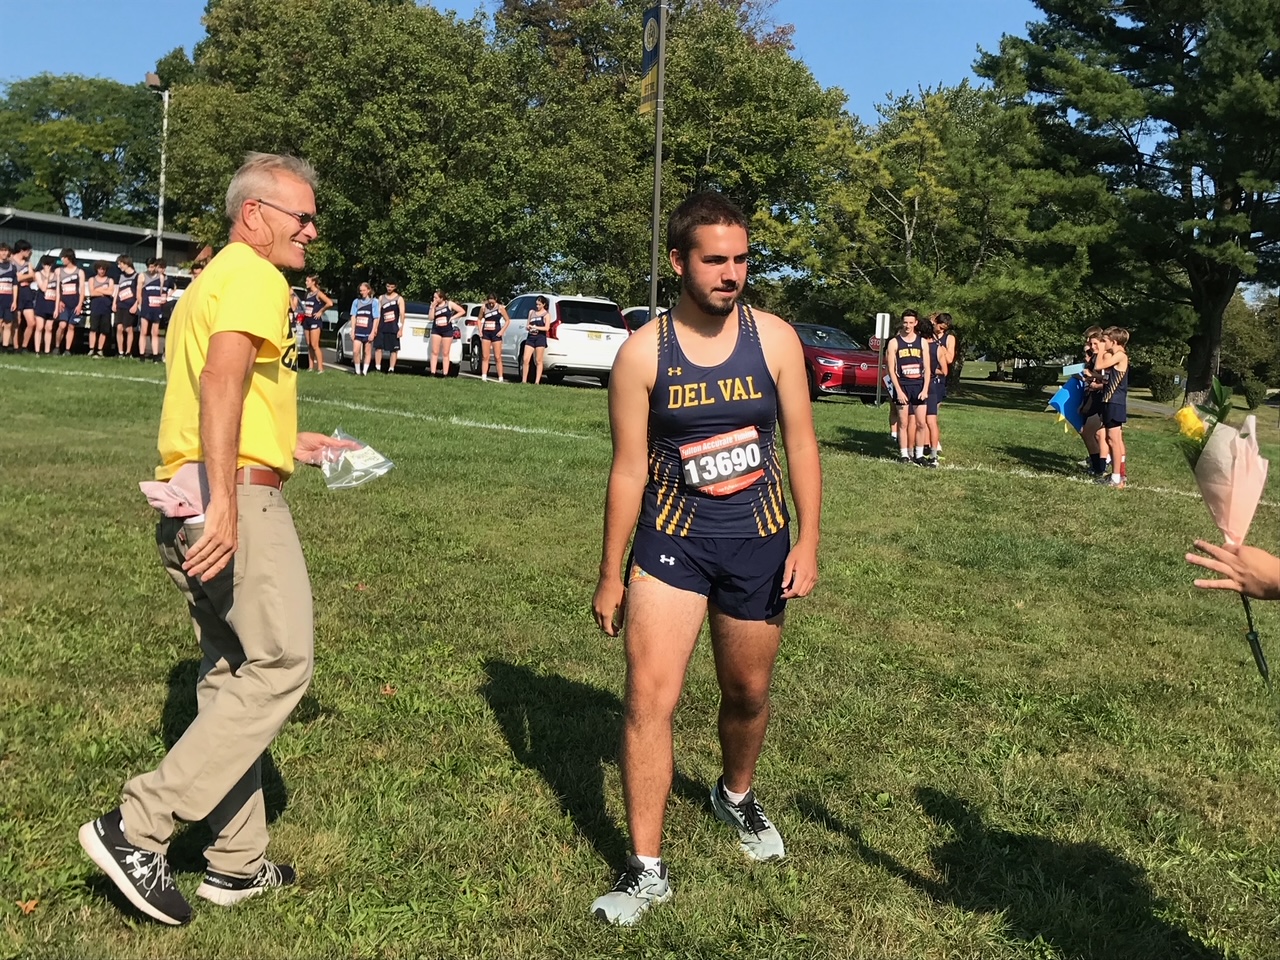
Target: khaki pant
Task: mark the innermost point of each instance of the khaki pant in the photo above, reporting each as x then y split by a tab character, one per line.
253	622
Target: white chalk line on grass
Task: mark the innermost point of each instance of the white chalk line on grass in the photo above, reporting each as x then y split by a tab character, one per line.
539	431
344	404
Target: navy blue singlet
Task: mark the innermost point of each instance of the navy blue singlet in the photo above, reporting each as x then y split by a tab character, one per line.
391	312
910	358
8	280
442	322
155	294
713	464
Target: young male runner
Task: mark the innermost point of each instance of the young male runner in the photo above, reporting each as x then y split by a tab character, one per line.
909	371
126	306
390	328
71	293
694	402
26	293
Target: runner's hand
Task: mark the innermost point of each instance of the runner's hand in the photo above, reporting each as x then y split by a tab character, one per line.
1248	570
312	447
924	394
609	604
217	545
800	574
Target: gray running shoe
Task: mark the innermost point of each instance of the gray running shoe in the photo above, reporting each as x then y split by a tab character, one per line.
757	837
636	891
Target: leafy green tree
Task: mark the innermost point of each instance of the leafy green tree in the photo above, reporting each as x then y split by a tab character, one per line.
80	146
1172	111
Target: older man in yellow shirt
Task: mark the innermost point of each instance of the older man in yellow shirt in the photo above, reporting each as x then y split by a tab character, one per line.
230	419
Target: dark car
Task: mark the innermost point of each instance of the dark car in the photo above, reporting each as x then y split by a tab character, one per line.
836	363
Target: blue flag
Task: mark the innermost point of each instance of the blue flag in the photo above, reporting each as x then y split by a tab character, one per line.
1067	402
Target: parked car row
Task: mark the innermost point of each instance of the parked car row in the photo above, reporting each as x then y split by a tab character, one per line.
585	334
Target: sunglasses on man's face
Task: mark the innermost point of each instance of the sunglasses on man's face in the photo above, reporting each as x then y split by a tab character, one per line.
304	219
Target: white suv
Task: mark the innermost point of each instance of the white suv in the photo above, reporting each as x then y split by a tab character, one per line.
584	335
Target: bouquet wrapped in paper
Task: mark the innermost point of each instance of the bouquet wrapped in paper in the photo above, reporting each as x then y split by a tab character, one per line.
1231	475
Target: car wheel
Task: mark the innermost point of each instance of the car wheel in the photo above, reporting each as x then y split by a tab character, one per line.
868	399
813	383
519	370
338	356
604	380
475	356
551	376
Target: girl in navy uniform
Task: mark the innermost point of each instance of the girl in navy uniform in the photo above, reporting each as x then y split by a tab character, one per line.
8	299
539	322
311	310
443	312
102	291
390	328
1092	430
126	306
493	324
365	314
71	288
909	370
46	307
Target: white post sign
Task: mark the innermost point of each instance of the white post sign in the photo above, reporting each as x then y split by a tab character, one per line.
882	335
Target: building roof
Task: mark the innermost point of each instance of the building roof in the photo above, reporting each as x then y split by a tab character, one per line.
138	234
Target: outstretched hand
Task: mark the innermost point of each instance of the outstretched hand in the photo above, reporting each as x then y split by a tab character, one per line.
1247	570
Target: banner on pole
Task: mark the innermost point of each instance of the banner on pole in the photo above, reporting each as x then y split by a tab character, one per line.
649	62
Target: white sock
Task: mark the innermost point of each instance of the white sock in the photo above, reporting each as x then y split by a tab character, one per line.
937	449
902	451
919	452
1116	478
731	796
650	863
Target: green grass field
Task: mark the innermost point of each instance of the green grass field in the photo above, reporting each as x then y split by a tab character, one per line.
1005	725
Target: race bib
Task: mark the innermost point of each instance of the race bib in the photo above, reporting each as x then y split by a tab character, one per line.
362	321
155	301
491	325
126	293
51	293
723	464
6	285
911	371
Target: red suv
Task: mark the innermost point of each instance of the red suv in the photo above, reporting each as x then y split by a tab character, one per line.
836	363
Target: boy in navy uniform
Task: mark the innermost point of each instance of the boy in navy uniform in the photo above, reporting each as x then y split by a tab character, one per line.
695	399
154	311
390	328
1113	400
908	361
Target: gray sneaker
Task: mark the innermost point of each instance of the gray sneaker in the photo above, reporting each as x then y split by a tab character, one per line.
757	837
636	891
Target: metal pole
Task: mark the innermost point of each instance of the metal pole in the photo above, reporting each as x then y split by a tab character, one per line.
164	143
657	160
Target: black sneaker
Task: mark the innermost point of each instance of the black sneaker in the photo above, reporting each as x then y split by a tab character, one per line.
227	891
142	875
906	460
930	462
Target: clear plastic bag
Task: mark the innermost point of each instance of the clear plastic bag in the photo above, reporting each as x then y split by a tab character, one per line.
350	468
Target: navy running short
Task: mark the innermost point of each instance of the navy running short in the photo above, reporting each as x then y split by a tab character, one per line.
443	331
126	320
492	336
937	393
912	389
387	340
312	323
741	576
44	309
537	340
1114	415
7	313
26	298
70	315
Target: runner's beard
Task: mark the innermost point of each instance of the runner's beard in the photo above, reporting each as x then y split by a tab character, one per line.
721	307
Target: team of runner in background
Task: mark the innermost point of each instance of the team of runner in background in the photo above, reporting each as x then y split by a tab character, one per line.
919	359
42	305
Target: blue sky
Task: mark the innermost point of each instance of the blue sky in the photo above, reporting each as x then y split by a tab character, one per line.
866	47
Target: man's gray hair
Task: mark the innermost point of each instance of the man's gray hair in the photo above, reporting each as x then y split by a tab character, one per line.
258	174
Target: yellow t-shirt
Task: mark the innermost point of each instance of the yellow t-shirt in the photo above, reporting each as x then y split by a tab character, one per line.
238	291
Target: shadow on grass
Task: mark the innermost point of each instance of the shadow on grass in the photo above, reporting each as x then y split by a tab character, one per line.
865	443
1044	461
567	731
972	393
187	849
1079	900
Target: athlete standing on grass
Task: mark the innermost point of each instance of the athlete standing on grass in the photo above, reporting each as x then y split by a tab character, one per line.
8	300
26	293
694	401
908	361
493	324
390	328
71	291
126	306
312	308
443	312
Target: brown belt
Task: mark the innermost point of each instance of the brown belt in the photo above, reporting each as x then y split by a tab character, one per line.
259	477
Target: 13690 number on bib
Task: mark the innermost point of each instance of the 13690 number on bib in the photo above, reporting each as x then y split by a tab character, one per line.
723	464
